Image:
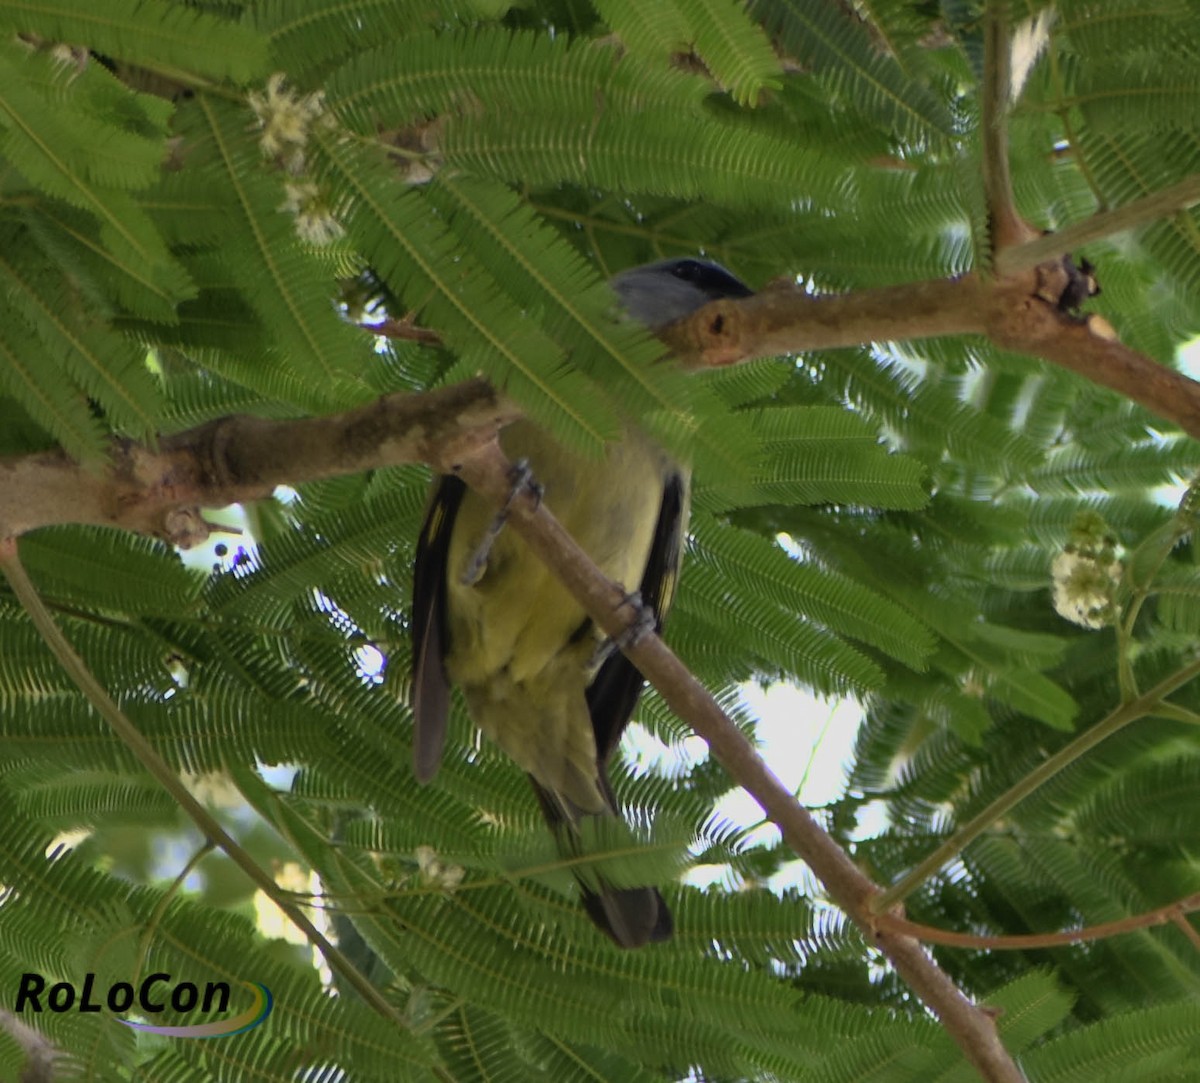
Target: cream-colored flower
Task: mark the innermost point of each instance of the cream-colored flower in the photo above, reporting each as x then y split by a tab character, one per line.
1087	574
286	119
315	222
437	873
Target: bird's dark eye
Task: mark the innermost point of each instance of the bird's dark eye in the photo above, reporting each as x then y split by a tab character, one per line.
710	279
687	269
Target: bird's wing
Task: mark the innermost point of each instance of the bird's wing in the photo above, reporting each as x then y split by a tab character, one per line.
431	690
630	916
614	691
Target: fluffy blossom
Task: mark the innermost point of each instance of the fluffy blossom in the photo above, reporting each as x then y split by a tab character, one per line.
315	222
1087	574
286	119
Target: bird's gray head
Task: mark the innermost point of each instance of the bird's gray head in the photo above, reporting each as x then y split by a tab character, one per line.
657	294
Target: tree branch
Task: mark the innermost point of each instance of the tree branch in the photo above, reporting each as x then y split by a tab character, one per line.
784	319
241	458
1115	721
40	1052
1173	913
1018	313
1008	228
488	472
1139	212
103	704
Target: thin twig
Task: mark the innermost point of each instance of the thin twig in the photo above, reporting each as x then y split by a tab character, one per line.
1007	226
404	329
1180	921
160	908
488	472
1163	915
1115	721
1139	212
95	693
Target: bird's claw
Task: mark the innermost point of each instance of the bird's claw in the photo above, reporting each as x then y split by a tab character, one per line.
520	475
645	621
521	478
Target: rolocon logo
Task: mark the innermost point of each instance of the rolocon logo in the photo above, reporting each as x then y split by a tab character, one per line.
184	996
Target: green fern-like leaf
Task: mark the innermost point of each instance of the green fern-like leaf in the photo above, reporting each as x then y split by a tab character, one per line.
859	74
145	30
733	47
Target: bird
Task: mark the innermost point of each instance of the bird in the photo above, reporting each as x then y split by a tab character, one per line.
534	669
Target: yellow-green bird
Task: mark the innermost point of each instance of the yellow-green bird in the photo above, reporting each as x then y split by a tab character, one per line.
521	648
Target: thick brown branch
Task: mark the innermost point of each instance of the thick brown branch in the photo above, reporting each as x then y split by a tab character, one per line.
242	458
1026	325
1013	313
784	319
973	1028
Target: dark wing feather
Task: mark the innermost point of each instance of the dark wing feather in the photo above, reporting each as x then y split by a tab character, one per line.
614	691
431	690
630	916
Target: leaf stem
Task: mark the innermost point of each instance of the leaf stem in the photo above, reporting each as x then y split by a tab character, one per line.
160	907
1116	720
1142	211
95	693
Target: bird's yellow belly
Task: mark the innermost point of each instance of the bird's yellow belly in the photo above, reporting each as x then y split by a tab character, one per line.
517	616
520	646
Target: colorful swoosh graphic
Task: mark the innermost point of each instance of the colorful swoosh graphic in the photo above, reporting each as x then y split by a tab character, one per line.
225	1028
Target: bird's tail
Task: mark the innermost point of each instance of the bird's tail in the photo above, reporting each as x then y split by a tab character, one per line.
631	916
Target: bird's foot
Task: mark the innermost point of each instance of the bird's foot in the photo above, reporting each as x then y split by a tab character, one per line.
522	479
645	621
